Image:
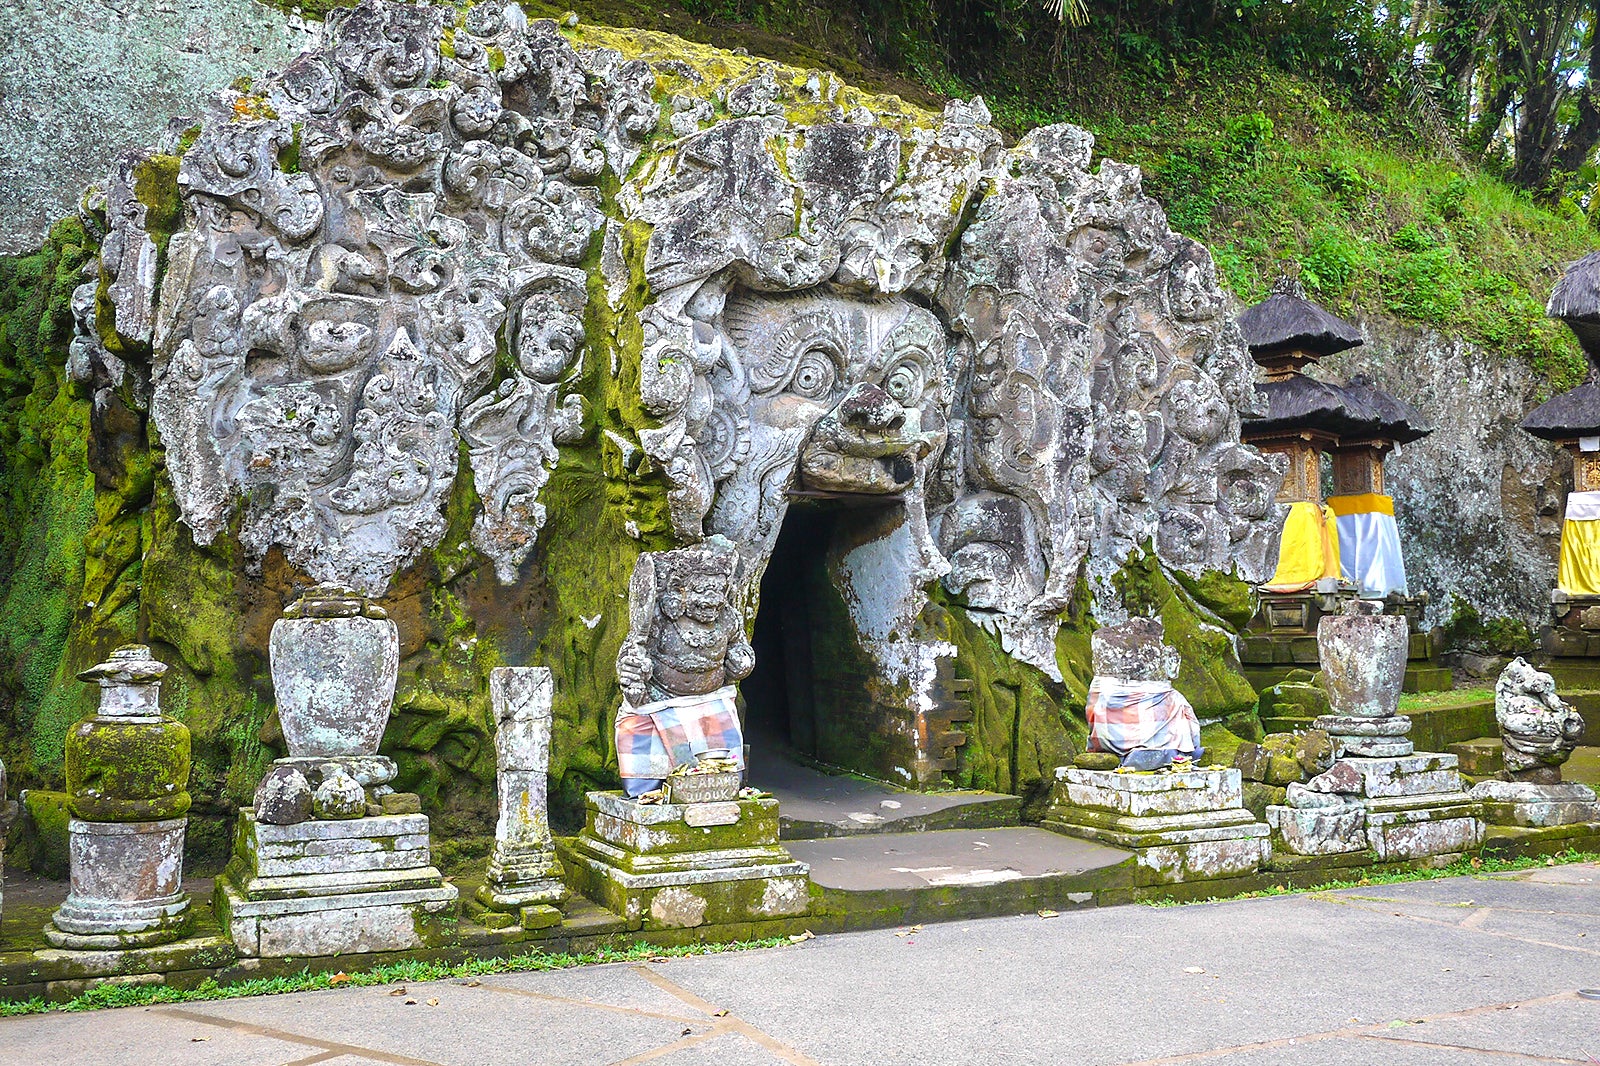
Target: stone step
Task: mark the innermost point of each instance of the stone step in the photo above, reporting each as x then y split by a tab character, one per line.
1426	678
815	805
963	873
1480	757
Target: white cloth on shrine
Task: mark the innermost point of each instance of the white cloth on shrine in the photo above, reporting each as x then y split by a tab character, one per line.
1369	553
1583	506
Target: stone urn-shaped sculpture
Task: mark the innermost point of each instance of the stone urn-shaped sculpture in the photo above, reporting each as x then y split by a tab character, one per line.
335	656
127	770
1363	653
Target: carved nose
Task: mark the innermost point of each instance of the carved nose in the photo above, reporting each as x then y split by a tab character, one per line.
870	407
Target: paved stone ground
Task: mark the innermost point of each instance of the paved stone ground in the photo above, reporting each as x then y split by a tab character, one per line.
1465	972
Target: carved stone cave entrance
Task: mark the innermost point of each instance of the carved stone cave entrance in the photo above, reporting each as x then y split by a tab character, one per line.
824	689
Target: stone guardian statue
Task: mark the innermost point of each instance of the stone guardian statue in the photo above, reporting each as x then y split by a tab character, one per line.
685	650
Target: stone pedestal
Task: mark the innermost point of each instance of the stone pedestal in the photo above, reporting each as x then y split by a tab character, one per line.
1182	826
1334	829
332	887
127	771
671	865
1384	737
127	888
524	877
1414	805
1536	806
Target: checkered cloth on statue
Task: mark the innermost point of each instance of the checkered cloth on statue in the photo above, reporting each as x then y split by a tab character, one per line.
1141	716
658	736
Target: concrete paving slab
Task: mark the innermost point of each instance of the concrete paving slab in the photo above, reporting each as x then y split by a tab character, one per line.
468	1026
139	1035
1272	968
619	986
1358	1051
728	1049
816	804
949	857
1323	980
1567	1027
1484	892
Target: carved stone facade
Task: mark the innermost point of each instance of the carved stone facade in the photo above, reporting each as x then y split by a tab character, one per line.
408	258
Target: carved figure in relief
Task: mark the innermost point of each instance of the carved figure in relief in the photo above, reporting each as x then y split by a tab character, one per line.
381	258
684	652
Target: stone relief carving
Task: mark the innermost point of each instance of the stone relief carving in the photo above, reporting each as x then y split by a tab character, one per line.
362	238
385	255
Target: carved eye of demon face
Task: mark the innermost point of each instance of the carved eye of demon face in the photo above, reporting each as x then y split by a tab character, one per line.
814	376
906	382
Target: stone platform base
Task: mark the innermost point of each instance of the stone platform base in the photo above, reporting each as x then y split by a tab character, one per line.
1402	829
673	866
127	887
1536	806
1186	825
1414	805
1332	830
331	887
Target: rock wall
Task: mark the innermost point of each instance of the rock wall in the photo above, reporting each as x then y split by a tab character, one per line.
106	75
1479	502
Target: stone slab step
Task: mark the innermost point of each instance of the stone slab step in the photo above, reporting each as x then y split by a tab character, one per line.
815	805
1424	678
1480	757
954	860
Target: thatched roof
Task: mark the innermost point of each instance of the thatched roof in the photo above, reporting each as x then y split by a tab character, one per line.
1355	411
1286	321
1576	301
1574	413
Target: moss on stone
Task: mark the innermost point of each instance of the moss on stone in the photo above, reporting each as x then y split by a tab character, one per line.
127	771
38	842
47	505
1024	724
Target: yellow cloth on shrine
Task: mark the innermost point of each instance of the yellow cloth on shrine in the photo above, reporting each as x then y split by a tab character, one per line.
1579	572
1361	503
1309	550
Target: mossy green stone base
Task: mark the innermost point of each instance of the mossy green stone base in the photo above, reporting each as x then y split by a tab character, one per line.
667	866
330	887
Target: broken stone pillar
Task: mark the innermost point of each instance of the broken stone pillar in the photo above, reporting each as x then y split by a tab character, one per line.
1538	730
331	860
1181	825
524	877
1380	794
127	770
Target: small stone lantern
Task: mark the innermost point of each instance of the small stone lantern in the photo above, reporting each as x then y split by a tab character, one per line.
127	770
